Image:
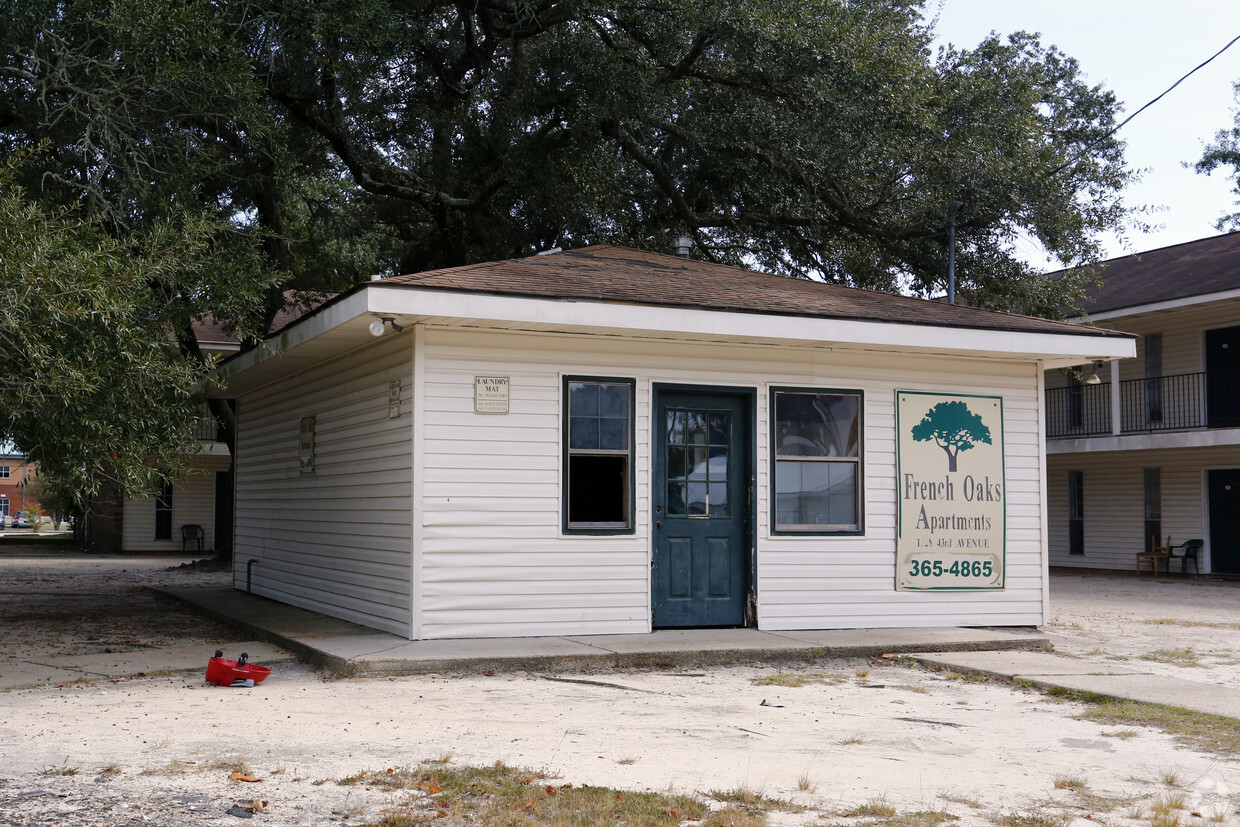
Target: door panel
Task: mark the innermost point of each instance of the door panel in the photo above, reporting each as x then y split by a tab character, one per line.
701	562
1224	496
1223	377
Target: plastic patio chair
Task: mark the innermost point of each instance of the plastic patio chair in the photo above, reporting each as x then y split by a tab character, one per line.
191	533
1185	551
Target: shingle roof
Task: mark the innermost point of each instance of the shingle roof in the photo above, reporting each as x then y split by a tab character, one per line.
1195	268
607	273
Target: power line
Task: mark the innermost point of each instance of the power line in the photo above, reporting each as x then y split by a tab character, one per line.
1081	154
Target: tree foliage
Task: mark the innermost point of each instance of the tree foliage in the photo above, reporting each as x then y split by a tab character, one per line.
90	384
1224	153
315	143
953	427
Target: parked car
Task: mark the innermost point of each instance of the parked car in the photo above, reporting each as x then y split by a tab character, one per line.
20	520
3	518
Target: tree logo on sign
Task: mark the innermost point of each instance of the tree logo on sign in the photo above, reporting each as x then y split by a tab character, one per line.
953	427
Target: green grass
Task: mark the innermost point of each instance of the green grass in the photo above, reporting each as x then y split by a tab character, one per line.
1069	782
1200	730
1034	818
753	800
1206	624
508	796
800	679
1176	657
63	769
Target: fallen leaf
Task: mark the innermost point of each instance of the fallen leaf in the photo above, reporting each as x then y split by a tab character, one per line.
550	790
237	775
427	787
257	805
889	656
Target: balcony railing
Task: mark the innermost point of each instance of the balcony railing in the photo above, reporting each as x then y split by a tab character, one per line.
1186	401
206	430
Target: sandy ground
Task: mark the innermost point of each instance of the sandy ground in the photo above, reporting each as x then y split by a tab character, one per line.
159	751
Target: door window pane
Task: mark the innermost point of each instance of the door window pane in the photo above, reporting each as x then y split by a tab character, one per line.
699	455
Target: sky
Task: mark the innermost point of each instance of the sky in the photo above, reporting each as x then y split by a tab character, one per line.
1137	48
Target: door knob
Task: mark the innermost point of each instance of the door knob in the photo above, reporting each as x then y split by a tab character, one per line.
658	524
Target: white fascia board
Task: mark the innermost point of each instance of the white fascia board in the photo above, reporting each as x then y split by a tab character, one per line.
300	332
675	321
1215	438
1153	307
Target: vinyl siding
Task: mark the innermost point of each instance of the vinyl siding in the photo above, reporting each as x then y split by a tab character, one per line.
1183	332
1114	501
193	502
496	563
336	541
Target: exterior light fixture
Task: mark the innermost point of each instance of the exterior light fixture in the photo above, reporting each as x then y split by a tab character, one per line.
378	326
1093	378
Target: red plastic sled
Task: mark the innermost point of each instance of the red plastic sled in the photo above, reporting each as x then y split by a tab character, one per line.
225	672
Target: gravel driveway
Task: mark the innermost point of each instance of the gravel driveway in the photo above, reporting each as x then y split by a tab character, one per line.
847	742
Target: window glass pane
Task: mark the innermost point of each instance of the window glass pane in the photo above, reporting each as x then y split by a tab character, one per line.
675	462
695	428
718	464
816	494
582	399
1153	493
613	434
718	499
613	400
583	432
675	427
676	499
817	425
719	429
697	463
697	499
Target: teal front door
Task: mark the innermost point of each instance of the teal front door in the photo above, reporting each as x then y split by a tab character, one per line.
702	556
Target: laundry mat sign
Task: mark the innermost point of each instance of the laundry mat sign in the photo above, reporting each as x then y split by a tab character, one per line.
950	491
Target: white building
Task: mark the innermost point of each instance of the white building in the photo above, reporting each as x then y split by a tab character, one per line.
1155	450
609	441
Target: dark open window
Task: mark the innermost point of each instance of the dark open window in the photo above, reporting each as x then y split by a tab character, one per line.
1076	512
816	441
598	455
1153	507
163	513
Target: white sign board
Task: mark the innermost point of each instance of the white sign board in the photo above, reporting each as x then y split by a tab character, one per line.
490	394
950	491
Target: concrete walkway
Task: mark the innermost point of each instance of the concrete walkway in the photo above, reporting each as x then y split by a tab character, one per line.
349	649
280	632
352	650
1048	670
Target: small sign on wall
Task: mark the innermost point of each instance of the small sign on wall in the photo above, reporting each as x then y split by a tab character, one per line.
305	445
490	394
394	399
950	492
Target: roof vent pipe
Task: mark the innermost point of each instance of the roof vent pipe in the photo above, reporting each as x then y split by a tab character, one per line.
682	245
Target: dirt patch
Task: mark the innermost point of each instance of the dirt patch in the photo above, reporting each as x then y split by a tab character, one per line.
843	742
